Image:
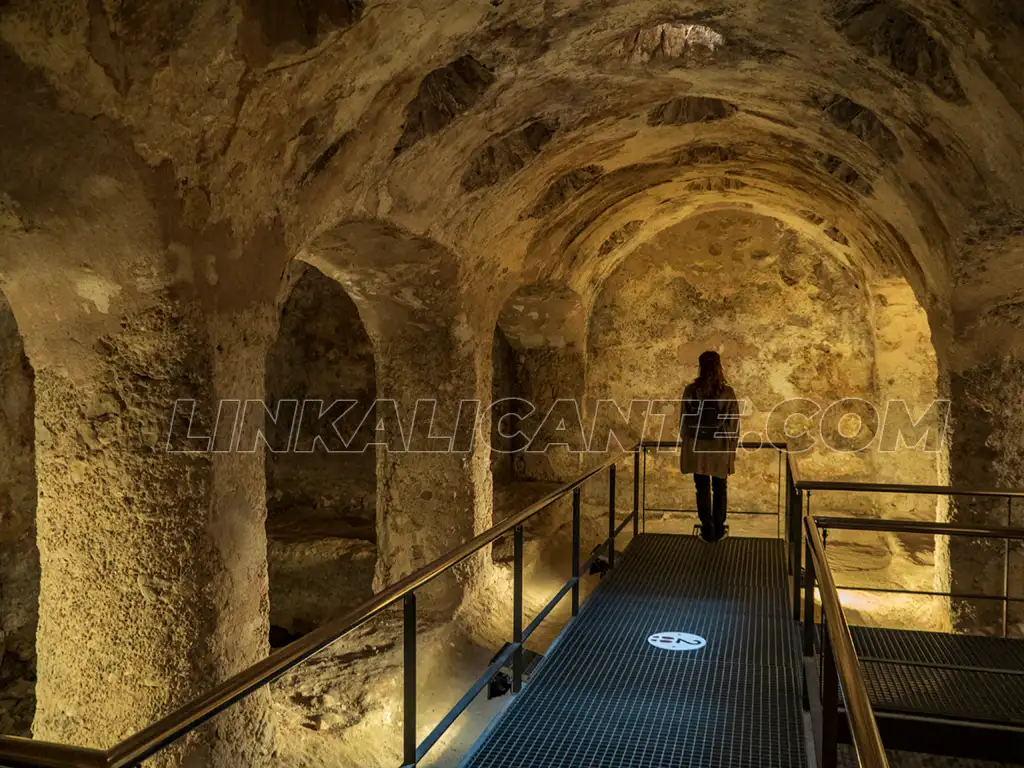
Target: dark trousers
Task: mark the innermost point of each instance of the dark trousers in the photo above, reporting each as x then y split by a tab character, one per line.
711	501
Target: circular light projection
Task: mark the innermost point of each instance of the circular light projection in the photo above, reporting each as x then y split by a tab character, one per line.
677	641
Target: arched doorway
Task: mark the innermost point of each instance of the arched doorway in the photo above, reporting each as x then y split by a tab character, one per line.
321	498
19	556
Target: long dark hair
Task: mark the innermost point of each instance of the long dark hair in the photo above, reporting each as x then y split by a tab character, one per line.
711	379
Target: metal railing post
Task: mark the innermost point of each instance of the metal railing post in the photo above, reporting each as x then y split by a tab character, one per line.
778	501
796	548
809	604
1006	565
829	704
611	516
636	492
576	550
643	505
517	609
409	681
790	490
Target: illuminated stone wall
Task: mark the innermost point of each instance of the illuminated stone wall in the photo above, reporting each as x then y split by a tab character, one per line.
161	170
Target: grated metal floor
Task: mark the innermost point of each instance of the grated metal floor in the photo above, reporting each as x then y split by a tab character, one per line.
930	673
604	696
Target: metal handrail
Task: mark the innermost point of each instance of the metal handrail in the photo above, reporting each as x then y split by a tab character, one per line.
792	463
1005	534
28	753
917	526
867	741
16	752
745	444
939	490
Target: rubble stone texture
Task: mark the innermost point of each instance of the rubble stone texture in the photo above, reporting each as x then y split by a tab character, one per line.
166	166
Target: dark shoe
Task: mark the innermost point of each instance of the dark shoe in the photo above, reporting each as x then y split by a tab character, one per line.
721	535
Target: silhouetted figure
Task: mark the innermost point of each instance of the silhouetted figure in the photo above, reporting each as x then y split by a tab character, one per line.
710	434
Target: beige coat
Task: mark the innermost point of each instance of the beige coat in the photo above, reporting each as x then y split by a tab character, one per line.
710	457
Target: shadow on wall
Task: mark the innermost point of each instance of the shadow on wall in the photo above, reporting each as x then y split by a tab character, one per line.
19	557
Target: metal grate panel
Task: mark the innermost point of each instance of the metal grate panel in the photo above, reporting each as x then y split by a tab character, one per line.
943	675
970	694
899	759
939	648
605	697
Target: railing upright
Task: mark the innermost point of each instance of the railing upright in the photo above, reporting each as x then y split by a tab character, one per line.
575	551
829	704
643	501
795	512
1006	566
809	578
636	492
517	609
611	516
409	679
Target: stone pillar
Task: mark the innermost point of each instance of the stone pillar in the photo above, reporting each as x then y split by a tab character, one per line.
984	359
906	371
551	378
430	499
986	451
430	343
154	576
546	327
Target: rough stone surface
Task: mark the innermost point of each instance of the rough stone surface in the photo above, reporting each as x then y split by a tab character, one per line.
162	163
162	587
791	322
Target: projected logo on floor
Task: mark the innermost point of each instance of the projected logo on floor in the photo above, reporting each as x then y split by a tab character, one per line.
677	641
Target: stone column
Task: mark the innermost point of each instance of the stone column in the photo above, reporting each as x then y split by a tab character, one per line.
429	344
551	378
431	499
986	451
909	445
984	359
154	575
546	328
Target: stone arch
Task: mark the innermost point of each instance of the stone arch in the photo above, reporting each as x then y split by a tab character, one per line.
321	496
792	319
539	373
432	356
19	566
545	327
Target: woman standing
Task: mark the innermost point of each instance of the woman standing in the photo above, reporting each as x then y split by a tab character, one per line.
710	434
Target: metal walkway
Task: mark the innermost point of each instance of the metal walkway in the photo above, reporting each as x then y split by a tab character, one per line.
942	675
604	696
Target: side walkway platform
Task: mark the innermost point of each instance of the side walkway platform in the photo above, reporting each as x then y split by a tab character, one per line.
606	696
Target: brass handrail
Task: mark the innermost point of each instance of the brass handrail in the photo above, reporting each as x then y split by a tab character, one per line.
16	752
939	490
917	526
746	444
867	741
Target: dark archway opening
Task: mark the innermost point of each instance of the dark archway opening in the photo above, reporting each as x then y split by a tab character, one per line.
19	556
321	505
